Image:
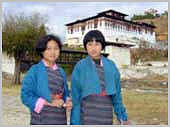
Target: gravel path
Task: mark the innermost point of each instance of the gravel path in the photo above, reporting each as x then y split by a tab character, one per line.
13	111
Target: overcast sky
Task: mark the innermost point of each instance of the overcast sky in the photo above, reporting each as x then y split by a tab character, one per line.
61	13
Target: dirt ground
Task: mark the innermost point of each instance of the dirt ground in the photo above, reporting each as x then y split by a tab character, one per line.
13	111
139	96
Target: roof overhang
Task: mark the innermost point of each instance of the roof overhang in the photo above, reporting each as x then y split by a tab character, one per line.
125	44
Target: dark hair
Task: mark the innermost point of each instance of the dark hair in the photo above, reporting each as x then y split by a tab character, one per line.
42	43
94	34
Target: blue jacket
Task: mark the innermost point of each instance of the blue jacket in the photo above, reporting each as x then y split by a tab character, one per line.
85	82
35	85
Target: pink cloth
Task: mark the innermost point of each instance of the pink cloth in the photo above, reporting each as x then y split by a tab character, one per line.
39	105
46	64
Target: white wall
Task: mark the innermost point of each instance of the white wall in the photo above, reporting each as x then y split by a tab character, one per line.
8	64
120	55
111	34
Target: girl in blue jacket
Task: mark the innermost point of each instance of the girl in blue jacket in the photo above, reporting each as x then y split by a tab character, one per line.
96	87
44	88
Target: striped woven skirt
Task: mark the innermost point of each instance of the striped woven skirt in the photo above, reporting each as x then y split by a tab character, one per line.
49	116
97	110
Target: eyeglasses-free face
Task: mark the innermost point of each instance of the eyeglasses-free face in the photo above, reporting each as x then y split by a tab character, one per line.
51	52
94	49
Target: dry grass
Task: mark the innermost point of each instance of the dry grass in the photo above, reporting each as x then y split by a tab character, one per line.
142	108
147	108
157	77
153	82
10	89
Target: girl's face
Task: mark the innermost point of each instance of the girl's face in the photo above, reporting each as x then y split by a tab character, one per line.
52	52
94	49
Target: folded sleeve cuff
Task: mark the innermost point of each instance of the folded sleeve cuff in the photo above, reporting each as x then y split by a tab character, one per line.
39	105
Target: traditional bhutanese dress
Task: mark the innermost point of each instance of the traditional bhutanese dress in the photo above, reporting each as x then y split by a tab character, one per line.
51	115
97	109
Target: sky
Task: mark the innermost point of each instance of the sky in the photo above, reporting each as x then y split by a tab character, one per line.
61	13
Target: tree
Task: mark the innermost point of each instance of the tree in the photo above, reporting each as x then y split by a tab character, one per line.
151	11
152	23
157	15
19	35
165	13
149	14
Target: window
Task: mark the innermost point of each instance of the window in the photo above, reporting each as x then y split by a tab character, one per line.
105	24
100	23
83	29
95	25
71	31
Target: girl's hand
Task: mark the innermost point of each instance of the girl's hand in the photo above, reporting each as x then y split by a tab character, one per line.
57	103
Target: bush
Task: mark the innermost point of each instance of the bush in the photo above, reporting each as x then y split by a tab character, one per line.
68	68
148	54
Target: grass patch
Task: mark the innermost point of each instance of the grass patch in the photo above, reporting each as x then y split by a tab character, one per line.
142	108
146	108
124	66
10	89
153	82
156	77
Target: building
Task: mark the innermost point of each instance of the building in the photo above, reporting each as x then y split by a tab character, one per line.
112	24
118	33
